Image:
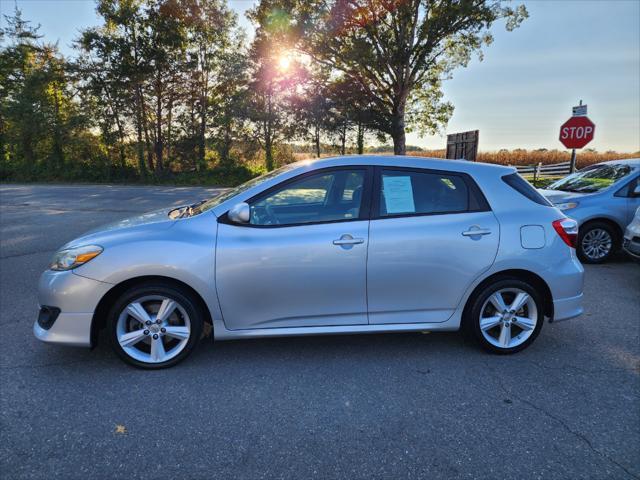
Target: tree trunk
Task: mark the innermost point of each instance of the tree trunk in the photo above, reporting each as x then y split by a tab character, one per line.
140	145
268	137
225	152
398	127
145	129
360	138
2	144
268	151
316	138
159	143
169	132
58	153
343	139
201	134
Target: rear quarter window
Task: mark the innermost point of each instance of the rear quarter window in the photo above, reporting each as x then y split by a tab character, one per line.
524	188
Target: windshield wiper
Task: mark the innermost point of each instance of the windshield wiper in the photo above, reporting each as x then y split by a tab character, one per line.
190	210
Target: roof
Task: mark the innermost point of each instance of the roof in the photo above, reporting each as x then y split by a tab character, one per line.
406	161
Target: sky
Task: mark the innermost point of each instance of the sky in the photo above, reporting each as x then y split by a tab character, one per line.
523	90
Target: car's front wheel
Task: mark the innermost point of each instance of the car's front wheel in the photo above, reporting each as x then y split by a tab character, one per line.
505	316
597	242
155	325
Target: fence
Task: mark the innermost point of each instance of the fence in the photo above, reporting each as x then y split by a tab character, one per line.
538	171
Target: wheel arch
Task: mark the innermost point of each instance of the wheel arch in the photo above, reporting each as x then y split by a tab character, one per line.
525	275
612	223
99	319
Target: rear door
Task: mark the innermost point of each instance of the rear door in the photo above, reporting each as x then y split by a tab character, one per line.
431	235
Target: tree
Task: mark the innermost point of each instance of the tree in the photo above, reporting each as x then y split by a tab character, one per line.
351	111
271	85
230	96
399	51
212	34
39	118
311	105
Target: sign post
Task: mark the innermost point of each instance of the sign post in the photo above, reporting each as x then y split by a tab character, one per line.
577	132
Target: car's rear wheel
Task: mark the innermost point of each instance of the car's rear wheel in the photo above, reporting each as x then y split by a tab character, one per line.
506	316
155	325
597	241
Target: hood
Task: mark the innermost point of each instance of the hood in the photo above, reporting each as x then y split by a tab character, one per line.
137	225
558	196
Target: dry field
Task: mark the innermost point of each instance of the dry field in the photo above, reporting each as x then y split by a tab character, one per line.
512	157
531	157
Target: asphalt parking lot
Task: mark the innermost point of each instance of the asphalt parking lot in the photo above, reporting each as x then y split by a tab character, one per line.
373	406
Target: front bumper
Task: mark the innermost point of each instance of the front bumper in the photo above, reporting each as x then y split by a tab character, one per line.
72	329
76	298
631	242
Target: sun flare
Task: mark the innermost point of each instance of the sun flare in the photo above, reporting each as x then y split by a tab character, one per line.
284	62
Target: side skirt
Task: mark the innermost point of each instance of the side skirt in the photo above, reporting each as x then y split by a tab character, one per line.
448	326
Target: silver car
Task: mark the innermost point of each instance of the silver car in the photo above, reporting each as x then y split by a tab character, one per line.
364	244
631	242
602	198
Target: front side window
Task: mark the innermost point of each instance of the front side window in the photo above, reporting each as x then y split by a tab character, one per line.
323	197
592	179
410	192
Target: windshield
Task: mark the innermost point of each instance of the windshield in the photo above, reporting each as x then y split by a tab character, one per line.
592	179
215	201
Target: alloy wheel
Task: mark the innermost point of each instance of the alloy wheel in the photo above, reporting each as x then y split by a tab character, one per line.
153	329
508	318
596	243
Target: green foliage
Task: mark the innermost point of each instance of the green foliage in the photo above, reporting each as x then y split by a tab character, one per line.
167	91
397	51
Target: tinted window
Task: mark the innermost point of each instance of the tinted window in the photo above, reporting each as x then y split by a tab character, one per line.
592	179
324	197
410	192
519	184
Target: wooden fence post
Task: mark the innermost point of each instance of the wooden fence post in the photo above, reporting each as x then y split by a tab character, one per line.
536	173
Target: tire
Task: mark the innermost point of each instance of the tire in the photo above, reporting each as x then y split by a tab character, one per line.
597	242
482	313
136	342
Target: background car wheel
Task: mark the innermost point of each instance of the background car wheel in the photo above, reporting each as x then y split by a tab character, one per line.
597	242
505	316
155	325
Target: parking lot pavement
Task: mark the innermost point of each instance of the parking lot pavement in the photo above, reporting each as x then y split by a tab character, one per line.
372	406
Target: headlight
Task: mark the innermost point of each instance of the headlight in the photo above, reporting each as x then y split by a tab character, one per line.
74	257
567	205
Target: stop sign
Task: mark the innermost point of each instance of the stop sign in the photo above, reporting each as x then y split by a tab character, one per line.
577	132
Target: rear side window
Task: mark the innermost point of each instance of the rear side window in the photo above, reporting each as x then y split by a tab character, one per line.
523	187
405	192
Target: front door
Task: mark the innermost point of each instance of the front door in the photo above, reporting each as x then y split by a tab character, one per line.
431	235
301	260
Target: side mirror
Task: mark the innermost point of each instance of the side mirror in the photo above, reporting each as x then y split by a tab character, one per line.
636	191
240	213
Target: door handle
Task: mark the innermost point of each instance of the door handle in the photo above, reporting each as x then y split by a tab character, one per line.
347	239
475	230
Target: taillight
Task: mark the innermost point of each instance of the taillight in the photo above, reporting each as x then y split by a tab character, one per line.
568	230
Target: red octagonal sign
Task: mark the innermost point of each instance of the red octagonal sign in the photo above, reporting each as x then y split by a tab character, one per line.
577	132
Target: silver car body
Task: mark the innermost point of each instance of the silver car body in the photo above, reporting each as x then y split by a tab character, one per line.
612	204
631	243
411	273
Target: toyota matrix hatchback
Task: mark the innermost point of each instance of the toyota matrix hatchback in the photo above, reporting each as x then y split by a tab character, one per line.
364	244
